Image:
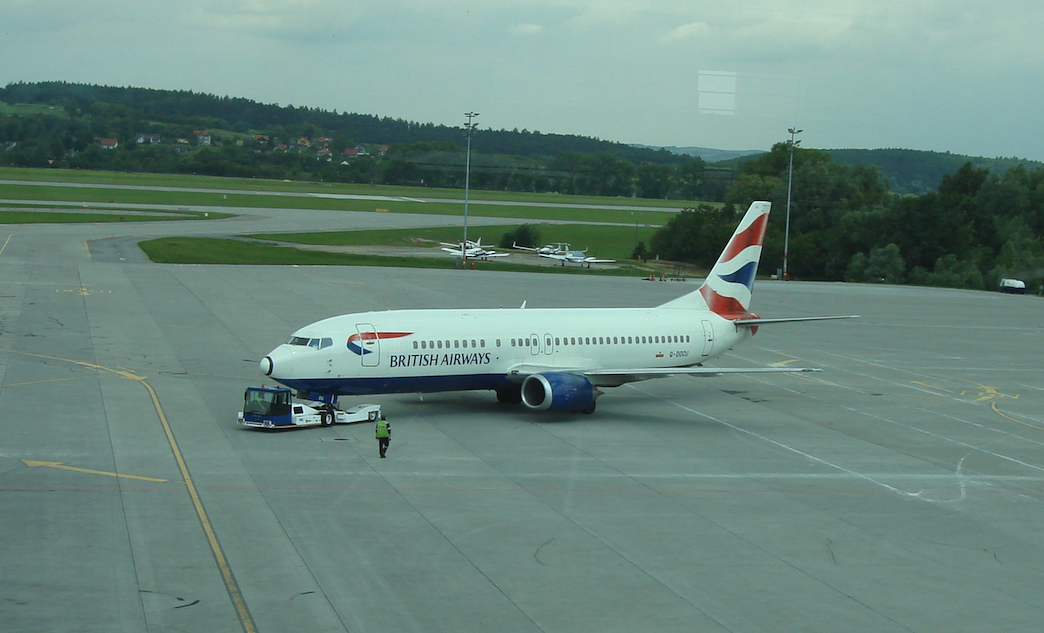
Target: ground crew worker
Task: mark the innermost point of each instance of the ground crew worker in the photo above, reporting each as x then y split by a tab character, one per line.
383	433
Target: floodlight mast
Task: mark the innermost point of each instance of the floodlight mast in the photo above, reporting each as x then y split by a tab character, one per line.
469	130
790	181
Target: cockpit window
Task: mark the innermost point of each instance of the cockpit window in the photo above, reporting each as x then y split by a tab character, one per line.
314	343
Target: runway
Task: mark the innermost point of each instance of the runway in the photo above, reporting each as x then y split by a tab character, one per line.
899	490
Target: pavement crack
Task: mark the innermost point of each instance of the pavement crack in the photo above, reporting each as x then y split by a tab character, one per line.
536	554
830	548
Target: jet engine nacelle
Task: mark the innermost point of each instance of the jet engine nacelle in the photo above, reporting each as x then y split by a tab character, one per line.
559	392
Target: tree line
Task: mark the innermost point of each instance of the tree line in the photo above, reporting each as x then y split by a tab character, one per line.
417	154
974	230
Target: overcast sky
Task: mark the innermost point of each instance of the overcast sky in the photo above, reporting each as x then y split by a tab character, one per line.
948	75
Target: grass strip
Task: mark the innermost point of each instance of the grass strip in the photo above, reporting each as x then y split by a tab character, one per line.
604	241
205	250
59	217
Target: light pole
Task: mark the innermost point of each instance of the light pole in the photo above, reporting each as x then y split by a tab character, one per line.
790	181
469	129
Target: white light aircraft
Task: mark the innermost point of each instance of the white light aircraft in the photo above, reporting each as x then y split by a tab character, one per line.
565	255
543	250
547	359
471	250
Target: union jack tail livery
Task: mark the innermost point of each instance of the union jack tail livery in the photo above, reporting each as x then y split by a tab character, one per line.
731	281
729	285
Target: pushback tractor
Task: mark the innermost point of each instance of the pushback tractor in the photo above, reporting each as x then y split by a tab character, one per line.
276	408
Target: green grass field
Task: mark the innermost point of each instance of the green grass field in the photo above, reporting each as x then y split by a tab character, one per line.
28	109
201	250
44	176
58	217
604	241
610	233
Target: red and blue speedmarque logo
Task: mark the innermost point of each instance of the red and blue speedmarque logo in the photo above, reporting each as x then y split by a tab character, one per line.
355	343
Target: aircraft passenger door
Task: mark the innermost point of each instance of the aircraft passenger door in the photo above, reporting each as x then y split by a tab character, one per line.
534	344
708	338
369	345
549	344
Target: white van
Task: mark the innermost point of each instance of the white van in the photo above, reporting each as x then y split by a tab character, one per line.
1013	286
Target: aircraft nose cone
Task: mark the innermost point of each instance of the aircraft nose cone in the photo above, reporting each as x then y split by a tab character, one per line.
278	364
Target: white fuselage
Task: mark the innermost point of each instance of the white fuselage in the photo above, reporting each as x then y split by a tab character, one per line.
405	351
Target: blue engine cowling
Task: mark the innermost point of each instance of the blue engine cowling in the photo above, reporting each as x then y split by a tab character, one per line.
558	392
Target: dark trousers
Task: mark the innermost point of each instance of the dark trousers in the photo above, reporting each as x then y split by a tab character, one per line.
382	444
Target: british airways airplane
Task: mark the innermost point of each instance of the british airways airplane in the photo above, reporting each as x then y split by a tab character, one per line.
548	359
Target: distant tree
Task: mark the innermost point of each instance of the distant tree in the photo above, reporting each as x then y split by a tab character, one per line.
654	180
689	179
884	265
695	235
525	235
639	251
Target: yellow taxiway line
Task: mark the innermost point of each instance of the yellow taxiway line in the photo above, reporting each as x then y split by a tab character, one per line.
33	463
231	585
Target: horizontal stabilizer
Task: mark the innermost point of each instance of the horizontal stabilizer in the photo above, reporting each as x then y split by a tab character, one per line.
760	321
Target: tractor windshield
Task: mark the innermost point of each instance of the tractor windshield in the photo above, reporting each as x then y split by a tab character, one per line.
266	402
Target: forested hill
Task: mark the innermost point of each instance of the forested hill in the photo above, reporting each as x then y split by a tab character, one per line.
243	115
917	172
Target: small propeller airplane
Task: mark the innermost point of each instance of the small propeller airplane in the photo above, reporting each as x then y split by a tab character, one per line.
565	255
561	252
543	250
471	250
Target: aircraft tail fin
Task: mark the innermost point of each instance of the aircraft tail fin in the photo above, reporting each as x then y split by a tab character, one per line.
730	283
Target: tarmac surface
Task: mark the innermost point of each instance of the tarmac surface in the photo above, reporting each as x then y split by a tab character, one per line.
899	490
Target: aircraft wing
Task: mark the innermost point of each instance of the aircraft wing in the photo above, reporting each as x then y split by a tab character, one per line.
616	377
595	260
552	255
522	248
